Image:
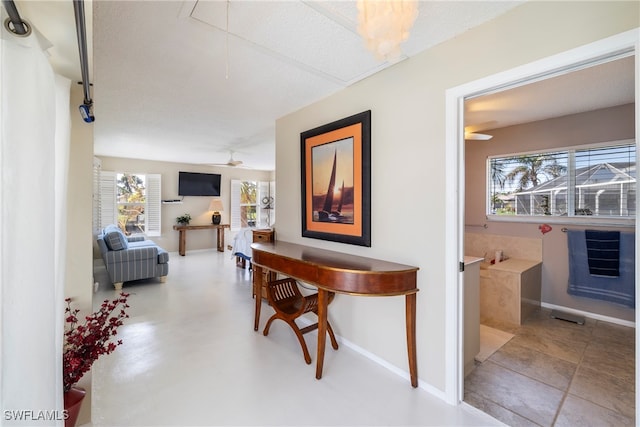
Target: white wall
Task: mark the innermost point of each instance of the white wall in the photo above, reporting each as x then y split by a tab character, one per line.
79	267
408	161
197	207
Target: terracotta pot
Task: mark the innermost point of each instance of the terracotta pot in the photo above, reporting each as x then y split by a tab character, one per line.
72	403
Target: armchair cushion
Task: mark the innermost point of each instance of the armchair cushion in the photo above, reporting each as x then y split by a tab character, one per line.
132	255
135	238
115	238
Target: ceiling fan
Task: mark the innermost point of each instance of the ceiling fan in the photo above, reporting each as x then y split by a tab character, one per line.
470	133
231	162
474	136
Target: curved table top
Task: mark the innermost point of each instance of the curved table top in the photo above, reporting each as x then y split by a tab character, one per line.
336	271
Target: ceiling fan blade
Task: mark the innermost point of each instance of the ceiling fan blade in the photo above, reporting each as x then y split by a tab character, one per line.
477	136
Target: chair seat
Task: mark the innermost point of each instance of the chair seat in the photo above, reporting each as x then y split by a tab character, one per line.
291	307
289	304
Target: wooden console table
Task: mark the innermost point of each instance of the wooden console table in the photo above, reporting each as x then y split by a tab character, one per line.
338	272
182	246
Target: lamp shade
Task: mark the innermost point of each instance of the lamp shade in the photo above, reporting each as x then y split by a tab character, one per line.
216	205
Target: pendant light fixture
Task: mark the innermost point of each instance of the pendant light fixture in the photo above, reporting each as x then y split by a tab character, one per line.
385	24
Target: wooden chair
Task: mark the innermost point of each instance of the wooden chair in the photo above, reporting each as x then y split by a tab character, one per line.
289	304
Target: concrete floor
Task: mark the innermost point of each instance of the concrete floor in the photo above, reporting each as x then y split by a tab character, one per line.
190	357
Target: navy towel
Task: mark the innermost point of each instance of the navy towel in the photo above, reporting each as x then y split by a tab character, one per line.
620	290
603	252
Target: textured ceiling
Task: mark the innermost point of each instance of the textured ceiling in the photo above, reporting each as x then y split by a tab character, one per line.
170	82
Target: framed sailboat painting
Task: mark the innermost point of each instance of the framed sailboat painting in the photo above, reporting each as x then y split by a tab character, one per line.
336	181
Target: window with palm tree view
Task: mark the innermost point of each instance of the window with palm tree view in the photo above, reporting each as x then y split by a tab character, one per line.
131	201
248	203
596	181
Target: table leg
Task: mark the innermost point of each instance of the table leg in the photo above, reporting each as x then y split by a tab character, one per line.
183	242
323	301
257	294
220	239
411	338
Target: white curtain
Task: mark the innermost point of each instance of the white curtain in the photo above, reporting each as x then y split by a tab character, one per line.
62	147
34	145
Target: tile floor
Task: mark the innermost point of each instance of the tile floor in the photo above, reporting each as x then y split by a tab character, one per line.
191	358
557	373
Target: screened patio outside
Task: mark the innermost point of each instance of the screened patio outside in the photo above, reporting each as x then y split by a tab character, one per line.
604	189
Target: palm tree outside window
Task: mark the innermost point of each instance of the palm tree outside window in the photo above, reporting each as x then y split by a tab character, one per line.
596	181
131	201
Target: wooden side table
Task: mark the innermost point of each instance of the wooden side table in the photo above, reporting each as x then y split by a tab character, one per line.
182	246
265	235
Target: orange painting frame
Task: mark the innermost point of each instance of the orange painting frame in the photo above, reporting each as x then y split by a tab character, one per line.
336	180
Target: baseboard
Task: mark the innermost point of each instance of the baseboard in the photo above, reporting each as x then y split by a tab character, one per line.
176	253
378	360
400	372
590	315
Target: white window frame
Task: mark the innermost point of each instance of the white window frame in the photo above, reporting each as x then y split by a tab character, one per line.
570	218
265	216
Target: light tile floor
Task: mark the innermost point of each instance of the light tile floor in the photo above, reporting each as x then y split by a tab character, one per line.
557	373
191	358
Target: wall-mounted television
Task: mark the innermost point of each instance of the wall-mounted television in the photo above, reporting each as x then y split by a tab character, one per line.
198	184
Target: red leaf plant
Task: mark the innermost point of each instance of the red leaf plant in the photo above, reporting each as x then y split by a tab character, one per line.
84	343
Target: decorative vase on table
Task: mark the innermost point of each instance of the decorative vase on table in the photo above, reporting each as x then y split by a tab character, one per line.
72	404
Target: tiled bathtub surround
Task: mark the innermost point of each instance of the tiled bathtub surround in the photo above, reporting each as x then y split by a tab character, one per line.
482	245
509	290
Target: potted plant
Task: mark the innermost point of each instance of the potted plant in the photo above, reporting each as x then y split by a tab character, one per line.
84	344
184	219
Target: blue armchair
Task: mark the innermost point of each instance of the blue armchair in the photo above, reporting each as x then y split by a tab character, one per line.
131	258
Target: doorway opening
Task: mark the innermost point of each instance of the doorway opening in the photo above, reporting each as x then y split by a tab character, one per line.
571	61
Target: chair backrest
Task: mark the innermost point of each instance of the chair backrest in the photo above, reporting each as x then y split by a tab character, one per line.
283	292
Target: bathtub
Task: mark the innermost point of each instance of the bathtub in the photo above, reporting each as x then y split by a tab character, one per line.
509	291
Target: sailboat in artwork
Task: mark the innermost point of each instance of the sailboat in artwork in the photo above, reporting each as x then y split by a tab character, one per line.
323	215
328	214
339	210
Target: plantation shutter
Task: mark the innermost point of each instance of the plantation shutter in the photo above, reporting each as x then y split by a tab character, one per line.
236	220
95	205
107	206
152	209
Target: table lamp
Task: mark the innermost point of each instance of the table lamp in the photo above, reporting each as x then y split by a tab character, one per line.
216	207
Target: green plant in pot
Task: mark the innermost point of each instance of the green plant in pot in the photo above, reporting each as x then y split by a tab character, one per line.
183	219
